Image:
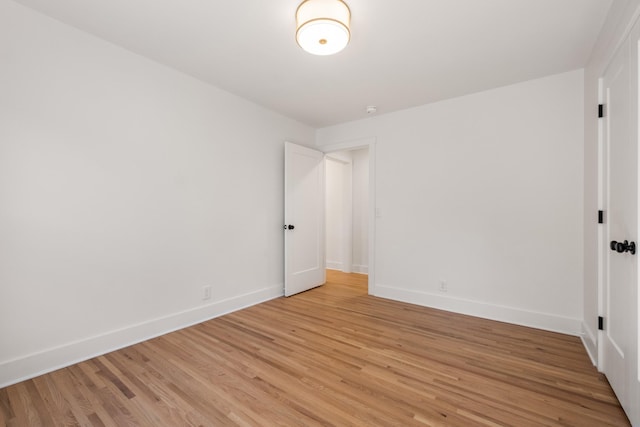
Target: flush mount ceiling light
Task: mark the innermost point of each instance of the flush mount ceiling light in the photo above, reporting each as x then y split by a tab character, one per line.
322	26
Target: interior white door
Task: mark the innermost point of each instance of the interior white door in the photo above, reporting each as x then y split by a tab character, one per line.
304	257
620	264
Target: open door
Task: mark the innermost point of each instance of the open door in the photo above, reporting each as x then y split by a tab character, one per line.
621	231
303	219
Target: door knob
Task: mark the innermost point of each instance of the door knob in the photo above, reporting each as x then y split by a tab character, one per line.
622	247
289	227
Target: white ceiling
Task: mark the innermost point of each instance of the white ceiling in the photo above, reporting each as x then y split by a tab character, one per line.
402	53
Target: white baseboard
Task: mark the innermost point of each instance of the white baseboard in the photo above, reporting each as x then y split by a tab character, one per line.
32	365
334	265
362	269
590	343
545	321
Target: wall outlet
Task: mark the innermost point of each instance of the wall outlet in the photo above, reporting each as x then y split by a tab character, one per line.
443	286
206	292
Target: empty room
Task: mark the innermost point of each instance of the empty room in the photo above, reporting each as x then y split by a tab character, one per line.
319	213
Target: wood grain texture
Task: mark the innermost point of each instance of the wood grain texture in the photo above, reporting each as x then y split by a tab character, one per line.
332	356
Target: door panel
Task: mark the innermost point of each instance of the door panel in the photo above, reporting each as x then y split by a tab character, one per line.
304	210
621	204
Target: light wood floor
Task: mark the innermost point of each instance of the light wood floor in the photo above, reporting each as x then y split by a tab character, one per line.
329	356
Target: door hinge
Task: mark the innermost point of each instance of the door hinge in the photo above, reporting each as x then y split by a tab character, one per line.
600	217
600	323
600	110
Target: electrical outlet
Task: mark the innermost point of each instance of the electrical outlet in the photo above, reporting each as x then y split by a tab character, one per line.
443	286
206	292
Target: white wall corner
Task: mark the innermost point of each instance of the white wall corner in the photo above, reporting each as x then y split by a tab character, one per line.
545	321
32	365
590	343
361	269
334	265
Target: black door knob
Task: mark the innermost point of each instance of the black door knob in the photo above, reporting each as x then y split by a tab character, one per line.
622	247
631	247
291	227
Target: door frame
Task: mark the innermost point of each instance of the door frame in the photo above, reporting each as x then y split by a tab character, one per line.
370	143
602	234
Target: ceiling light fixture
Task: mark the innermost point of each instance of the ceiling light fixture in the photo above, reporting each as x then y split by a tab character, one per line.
322	26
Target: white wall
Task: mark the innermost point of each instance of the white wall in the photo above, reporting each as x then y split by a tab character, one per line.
335	194
125	187
360	210
485	193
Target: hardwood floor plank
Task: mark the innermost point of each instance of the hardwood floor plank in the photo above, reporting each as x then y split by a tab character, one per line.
89	391
24	406
56	404
332	356
6	410
79	406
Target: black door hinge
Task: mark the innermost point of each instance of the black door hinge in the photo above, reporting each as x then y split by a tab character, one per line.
600	217
600	110
600	323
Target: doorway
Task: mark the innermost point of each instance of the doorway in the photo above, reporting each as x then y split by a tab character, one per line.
346	210
304	211
366	229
